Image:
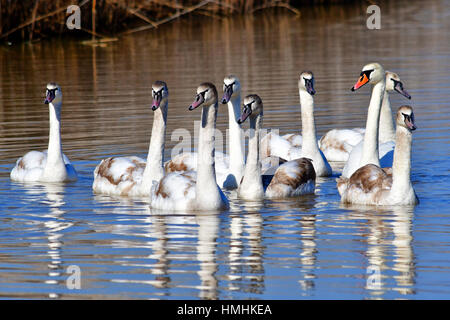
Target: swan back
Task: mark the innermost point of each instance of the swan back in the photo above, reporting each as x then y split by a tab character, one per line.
293	178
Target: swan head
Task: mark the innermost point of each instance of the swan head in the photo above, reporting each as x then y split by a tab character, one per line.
405	118
393	83
306	82
53	93
206	95
231	85
371	73
160	93
253	107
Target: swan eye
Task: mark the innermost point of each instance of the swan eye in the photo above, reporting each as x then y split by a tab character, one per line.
248	106
407	117
158	93
367	73
227	86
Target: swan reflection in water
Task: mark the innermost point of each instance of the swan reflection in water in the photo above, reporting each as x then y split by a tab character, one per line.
245	253
389	236
54	226
300	211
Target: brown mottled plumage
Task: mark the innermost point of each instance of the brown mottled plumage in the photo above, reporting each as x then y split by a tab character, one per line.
331	142
369	180
103	170
292	178
373	185
176	164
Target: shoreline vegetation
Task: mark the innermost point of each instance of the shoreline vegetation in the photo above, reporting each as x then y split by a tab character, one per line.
104	20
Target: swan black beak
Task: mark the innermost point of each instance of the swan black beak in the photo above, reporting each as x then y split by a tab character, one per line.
228	92
246	112
398	86
156	103
50	96
199	99
310	86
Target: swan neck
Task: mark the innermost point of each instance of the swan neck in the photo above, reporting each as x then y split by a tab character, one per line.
370	144
387	131
251	186
309	144
236	147
253	161
206	186
154	167
401	167
54	142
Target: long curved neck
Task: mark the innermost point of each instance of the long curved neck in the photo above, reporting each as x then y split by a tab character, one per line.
54	156
154	168
206	187
309	145
252	180
387	131
236	150
370	145
401	167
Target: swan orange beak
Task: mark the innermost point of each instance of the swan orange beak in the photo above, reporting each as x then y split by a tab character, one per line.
363	79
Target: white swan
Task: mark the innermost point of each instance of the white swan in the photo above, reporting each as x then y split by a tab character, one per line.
229	169
192	191
310	149
133	176
292	178
286	147
386	132
374	74
337	144
375	186
51	165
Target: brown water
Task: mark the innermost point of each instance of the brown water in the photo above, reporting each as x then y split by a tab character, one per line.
310	247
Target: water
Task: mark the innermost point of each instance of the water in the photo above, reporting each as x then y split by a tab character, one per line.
306	248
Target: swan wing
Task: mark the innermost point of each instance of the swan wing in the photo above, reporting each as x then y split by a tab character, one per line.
118	176
175	191
292	178
365	186
337	144
29	167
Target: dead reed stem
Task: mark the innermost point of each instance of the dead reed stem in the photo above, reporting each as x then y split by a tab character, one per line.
93	19
33	18
23	25
118	16
175	16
